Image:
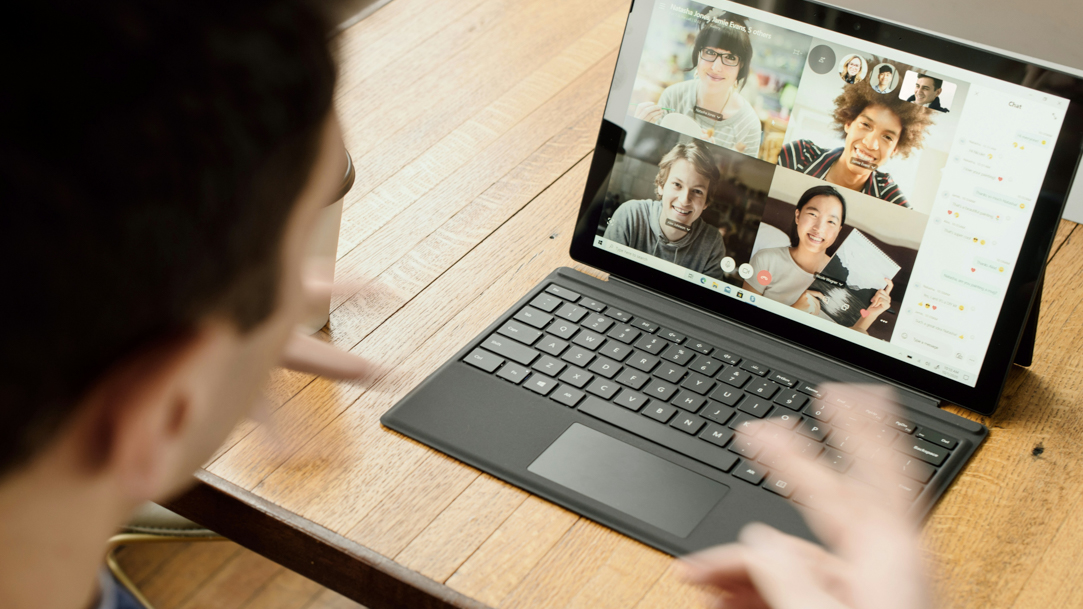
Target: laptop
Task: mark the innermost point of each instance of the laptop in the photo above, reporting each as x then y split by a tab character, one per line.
783	195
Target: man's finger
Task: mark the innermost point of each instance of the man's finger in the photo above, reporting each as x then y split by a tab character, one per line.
308	354
783	579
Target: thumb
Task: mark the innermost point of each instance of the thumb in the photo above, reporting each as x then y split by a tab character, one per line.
780	574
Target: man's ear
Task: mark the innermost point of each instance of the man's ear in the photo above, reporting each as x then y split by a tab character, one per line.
133	419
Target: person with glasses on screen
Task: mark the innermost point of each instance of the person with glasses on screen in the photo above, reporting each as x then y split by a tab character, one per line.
721	60
851	69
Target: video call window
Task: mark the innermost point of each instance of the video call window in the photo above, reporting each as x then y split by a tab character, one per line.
927	91
719	77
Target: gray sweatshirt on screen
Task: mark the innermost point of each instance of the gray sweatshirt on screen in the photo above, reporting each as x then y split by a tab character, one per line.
635	224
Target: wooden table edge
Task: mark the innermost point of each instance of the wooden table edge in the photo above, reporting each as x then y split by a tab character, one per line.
311	550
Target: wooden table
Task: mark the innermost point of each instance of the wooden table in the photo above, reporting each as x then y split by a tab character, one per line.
472	123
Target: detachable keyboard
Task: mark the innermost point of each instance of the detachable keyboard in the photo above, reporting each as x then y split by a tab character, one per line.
698	400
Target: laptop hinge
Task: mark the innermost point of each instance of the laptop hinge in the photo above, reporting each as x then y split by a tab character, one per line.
913	397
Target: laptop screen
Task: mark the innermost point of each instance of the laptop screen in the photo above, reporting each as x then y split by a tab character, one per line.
868	193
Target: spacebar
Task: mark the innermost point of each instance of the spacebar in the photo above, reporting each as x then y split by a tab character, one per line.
660	434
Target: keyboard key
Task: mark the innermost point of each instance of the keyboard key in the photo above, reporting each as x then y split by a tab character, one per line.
908	491
686	400
671	336
624	333
786	380
754	368
589	339
618	315
728	358
880	455
806	447
746	446
571	312
551	345
642	361
810	389
699	346
792	400
884	436
660	390
564	293
548	364
727	395
513	372
842	401
540	384
762	388
645	325
745	423
774	434
813	429
567	396
750	472
546	303
913	468
562	329
698	383
920	449
593	305
605	367
820	411
650	344
479	358
785	420
510	349
836	460
576	377
718	413
900	424
671	373
678	355
687	423
779	484
734	377
873	413
669	438
520	332
850	423
603	388
577	356
533	317
615	350
755	406
660	412
631	400
633	378
706	366
847	443
717	434
598	323
935	437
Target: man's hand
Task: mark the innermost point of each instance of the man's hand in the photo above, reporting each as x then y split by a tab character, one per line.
872	559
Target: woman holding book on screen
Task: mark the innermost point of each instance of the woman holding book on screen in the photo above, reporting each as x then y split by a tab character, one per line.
818	219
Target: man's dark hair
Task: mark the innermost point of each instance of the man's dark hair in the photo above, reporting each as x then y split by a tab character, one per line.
152	153
938	83
810	194
732	39
884	69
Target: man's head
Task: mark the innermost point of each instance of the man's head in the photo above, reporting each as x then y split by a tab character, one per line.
888	126
687	179
884	77
926	89
161	164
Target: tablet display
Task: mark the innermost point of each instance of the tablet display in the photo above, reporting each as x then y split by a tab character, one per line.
885	204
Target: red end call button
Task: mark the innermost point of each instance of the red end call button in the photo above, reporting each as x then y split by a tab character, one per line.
763	277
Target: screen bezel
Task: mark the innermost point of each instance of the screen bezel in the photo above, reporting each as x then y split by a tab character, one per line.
1019	295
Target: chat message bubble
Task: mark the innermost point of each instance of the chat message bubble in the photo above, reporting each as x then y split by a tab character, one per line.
1001	198
970	283
990	265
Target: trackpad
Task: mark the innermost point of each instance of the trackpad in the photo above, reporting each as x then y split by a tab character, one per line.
628	479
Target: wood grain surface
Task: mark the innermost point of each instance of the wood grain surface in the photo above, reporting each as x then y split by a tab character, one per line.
472	123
